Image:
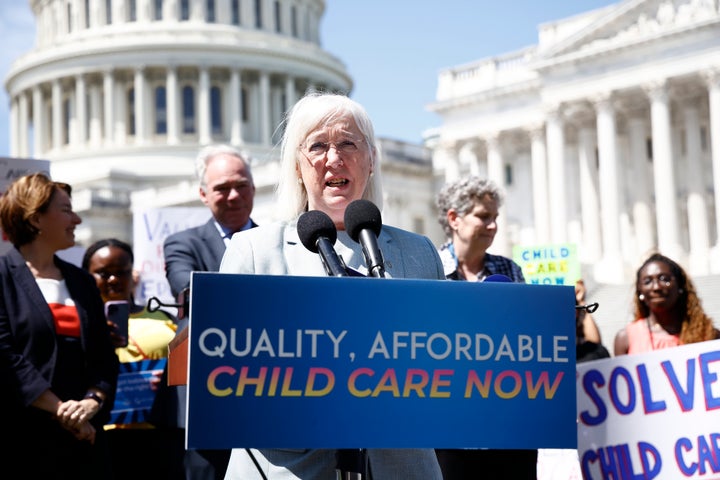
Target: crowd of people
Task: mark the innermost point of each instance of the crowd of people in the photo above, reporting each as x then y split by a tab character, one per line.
61	357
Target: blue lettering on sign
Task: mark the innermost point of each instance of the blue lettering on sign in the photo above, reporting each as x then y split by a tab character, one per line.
545	253
622	380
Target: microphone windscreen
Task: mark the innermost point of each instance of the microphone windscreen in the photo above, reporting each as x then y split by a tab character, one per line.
497	277
362	214
315	224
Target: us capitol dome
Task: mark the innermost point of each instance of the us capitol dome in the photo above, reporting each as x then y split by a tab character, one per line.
120	95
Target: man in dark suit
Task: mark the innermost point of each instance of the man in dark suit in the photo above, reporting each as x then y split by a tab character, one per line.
227	188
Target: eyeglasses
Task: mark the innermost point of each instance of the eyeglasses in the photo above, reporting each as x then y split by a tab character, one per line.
318	150
662	278
106	275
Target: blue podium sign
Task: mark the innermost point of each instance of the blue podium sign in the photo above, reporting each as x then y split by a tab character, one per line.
346	362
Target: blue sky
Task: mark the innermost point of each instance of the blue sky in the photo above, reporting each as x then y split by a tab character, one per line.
393	49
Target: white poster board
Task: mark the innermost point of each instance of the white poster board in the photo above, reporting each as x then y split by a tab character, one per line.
150	229
654	415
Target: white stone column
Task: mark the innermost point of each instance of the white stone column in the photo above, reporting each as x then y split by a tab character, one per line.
109	105
57	123
235	110
80	110
591	249
469	153
610	268
172	102
500	244
121	116
540	185
197	10
24	124
449	160
642	177
171	11
712	78
265	127
556	176
95	120
139	105
14	119
666	206
290	95
697	210
144	10
38	122
204	107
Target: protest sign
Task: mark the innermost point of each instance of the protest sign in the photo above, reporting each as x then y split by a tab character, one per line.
654	416
150	229
553	264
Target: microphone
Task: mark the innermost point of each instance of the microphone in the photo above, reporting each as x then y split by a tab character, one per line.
363	223
498	277
318	233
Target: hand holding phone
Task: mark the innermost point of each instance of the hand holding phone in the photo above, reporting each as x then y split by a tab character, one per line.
117	312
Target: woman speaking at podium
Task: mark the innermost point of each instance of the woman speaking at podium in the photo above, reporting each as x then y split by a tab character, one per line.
329	159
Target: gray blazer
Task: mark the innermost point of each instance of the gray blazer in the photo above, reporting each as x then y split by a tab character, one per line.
275	249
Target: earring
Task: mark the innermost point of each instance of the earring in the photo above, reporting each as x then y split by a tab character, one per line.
300	181
641	297
681	291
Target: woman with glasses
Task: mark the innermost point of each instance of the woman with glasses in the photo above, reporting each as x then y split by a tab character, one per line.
668	311
329	158
58	368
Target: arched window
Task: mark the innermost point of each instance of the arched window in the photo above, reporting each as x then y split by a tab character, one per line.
69	18
215	111
244	104
258	14
160	111
188	111
158	10
278	17
293	21
235	13
131	112
185	10
210	11
66	121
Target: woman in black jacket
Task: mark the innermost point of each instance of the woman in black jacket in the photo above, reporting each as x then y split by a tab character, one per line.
58	368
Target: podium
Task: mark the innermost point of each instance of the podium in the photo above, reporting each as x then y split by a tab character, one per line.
424	364
178	358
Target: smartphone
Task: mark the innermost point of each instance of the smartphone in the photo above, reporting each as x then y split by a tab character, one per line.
118	312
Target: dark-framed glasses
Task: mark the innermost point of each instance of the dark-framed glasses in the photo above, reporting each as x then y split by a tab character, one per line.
663	279
318	150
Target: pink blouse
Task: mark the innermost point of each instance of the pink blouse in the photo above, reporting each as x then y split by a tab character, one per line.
640	339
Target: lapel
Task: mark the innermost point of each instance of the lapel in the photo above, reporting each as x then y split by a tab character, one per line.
391	251
27	287
214	241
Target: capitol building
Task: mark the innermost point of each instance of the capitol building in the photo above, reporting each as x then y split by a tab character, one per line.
606	133
119	95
